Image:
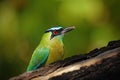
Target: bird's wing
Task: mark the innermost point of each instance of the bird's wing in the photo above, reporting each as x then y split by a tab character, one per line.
39	57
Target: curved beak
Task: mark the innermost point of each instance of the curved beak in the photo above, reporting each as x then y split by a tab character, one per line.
65	30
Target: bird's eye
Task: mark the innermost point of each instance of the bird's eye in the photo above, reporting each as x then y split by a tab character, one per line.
55	32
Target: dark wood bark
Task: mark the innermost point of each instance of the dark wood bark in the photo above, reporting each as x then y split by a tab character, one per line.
99	64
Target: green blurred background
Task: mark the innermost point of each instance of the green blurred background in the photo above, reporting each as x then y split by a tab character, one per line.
22	23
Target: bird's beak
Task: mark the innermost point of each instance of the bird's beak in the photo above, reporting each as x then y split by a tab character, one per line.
65	30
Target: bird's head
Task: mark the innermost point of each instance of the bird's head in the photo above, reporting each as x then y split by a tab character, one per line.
58	31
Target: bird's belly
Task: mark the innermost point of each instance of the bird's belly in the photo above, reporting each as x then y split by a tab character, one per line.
56	53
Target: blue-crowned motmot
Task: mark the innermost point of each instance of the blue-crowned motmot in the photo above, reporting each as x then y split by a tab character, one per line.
50	48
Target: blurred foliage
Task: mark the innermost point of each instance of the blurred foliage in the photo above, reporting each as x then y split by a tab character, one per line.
23	22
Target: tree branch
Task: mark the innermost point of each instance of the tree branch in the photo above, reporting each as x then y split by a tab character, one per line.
99	64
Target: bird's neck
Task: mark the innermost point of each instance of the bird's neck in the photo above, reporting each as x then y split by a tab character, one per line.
47	42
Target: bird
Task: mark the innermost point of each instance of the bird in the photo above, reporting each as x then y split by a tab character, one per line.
50	49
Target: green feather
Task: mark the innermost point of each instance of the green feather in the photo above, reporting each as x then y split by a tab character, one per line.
39	57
